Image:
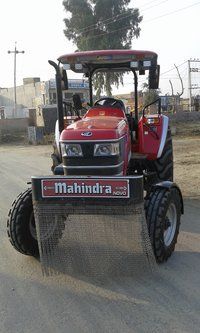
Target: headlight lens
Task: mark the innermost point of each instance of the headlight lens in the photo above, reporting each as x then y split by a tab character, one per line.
71	150
106	149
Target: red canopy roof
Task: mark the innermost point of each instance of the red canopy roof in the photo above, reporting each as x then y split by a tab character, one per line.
106	56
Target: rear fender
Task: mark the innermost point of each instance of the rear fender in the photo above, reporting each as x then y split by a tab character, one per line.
165	126
57	136
152	137
168	186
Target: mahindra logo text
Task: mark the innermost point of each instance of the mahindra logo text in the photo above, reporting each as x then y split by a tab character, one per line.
63	188
94	188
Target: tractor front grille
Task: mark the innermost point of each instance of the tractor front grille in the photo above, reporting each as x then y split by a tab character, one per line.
88	164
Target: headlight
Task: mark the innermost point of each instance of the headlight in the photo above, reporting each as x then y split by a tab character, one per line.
106	149
153	120
71	150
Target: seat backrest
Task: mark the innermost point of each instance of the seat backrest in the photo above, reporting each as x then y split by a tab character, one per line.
105	111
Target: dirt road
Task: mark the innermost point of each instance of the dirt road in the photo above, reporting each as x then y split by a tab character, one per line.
168	301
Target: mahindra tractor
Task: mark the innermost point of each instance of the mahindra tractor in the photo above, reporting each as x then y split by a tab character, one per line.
107	163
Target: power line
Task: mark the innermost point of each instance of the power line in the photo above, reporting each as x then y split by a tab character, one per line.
115	18
155	18
156	5
148	3
111	18
92	26
173	12
84	30
183	70
172	69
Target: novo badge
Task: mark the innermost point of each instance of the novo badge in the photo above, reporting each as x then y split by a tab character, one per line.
86	133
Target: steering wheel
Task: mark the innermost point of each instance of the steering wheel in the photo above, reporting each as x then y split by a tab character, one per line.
109	101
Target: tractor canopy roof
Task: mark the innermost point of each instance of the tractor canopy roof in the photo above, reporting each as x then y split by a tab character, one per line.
88	61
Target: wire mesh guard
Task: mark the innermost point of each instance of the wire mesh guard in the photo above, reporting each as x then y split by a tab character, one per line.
98	241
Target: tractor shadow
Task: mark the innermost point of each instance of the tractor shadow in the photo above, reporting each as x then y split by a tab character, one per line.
97	261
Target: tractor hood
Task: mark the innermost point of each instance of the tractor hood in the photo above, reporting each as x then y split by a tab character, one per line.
95	128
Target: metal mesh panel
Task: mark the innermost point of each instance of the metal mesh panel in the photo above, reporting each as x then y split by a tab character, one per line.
92	240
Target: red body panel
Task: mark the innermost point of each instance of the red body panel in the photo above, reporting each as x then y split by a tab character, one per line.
104	124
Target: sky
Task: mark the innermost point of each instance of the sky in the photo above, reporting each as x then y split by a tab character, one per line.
169	27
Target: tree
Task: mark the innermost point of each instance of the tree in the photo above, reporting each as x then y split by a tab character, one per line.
102	24
149	95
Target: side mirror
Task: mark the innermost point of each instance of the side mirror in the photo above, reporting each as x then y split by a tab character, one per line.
77	102
154	77
64	79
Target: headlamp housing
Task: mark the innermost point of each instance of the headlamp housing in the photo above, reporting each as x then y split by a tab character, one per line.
71	150
106	149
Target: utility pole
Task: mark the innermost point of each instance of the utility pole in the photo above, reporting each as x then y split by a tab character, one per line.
189	86
194	69
15	51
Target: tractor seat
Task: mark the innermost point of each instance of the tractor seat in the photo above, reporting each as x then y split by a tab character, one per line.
118	104
111	102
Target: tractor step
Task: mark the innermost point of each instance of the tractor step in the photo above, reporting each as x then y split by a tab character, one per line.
138	156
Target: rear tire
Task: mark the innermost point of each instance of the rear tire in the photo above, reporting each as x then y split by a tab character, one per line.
163	212
163	166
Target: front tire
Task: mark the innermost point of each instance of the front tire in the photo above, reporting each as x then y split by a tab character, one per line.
56	159
21	227
163	212
21	223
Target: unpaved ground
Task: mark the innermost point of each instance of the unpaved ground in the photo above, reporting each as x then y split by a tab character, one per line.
167	301
187	164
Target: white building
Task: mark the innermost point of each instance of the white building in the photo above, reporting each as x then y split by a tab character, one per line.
34	93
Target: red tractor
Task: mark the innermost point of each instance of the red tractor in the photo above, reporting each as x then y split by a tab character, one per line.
106	154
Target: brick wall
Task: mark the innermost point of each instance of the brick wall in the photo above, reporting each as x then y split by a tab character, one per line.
17	125
184	116
13	129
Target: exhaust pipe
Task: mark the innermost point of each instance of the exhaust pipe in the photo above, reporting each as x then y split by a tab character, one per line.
60	113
